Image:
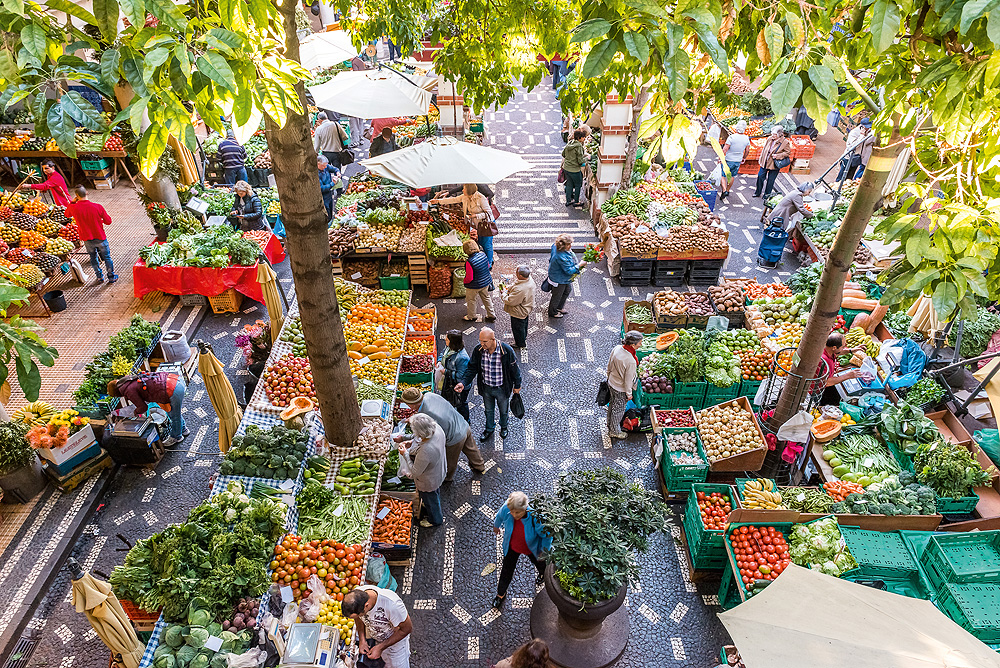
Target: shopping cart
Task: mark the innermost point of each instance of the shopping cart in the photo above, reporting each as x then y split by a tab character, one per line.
772	244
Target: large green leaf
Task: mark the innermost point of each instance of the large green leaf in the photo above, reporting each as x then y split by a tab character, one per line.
774	37
169	12
273	100
677	64
884	24
822	78
152	62
217	69
132	69
590	30
711	44
63	130
15	7
33	39
993	26
816	107
224	40
151	146
701	15
973	10
83	111
29	378
8	68
599	58
785	92
916	246
945	299
135	11
258	11
637	46
110	60
136	110
106	12
40	106
73	9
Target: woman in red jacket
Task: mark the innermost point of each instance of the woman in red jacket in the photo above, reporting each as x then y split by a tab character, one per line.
154	388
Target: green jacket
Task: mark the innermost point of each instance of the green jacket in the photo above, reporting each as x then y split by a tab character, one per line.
573	156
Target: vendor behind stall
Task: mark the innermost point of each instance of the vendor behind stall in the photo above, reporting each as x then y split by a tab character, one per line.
54	183
834	348
248	212
157	388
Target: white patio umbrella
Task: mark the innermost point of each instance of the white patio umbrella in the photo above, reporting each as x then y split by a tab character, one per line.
372	94
446	160
805	618
324	49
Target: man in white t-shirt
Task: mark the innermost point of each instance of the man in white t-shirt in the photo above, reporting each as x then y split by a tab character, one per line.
382	622
734	151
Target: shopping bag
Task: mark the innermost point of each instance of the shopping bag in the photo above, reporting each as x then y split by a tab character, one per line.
517	406
545	286
603	394
561	178
716	175
637	418
405	465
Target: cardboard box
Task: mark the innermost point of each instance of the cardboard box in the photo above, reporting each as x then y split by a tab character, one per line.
105	184
73	446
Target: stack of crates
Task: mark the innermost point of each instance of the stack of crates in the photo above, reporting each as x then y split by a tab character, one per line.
680	477
669	273
636	271
704	272
706	546
885	556
965	570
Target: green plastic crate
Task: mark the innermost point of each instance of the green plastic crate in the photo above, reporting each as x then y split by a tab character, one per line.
963	506
974	607
95	165
741	484
417	378
703	542
684	395
748	388
880	553
962	558
394	282
729	596
717	395
680	477
784	527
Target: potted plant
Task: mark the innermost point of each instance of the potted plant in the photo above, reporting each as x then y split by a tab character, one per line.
598	522
20	470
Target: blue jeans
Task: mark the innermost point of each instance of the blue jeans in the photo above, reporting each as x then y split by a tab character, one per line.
100	247
394	52
236	174
573	184
493	397
487	245
176	419
432	506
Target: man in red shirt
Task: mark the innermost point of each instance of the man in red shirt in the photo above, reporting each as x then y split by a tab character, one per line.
90	218
54	183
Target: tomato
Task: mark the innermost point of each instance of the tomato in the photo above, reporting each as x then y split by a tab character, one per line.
321	573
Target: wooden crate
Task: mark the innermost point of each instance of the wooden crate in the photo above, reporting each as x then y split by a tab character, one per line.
418	269
338	266
227	302
746	461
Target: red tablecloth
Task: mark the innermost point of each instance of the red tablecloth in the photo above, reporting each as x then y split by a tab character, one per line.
274	251
207	281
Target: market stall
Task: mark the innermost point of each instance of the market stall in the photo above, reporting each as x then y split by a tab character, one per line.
99	157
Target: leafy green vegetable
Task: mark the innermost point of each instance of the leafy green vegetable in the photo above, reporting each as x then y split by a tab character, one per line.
949	469
218	246
686	356
976	334
722	368
820	546
906	425
925	391
805	280
274	453
896	495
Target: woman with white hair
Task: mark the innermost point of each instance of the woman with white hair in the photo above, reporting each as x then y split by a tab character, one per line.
248	212
733	152
522	534
428	465
791	204
774	156
622	371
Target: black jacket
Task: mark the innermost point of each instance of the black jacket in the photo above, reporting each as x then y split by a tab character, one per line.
511	372
253	213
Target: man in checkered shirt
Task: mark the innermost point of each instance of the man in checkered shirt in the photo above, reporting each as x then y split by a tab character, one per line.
499	376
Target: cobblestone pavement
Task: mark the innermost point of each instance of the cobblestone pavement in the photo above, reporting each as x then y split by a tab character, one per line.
673	620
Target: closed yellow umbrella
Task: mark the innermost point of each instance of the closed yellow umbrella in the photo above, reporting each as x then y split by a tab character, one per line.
220	391
95	599
272	298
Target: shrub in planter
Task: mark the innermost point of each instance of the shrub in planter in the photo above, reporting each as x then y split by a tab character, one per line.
15	452
598	521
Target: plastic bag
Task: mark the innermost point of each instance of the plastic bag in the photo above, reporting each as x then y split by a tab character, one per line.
377	573
857	413
310	606
249	659
517	406
458	283
289	614
797	428
989	441
405	465
868	373
831	413
716	176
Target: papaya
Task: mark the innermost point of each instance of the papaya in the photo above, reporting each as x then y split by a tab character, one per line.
354	354
858	294
369	349
663	341
354	345
380	343
395	354
377	356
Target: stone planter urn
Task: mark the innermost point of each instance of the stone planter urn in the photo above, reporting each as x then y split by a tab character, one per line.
23	484
579	635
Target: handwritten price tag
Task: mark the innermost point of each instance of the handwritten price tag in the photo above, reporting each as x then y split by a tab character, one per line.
382	513
801	497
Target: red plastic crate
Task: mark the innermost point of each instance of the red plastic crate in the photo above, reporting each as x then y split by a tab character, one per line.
802	147
137	614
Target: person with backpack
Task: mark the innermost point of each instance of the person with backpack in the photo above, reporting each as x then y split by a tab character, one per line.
622	369
160	387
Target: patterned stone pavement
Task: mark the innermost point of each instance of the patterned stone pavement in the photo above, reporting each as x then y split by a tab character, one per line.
673	620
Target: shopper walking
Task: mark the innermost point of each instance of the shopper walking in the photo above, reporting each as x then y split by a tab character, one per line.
329	139
518	301
234	159
478	282
382	622
522	534
248	211
329	182
54	184
383	143
495	365
457	432
478	215
733	152
426	458
574	157
155	388
532	654
774	156
563	268
452	364
90	218
622	367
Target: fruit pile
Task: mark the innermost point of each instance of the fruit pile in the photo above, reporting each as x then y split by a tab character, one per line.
27	275
839	325
761	553
715	508
417	364
24	221
33	240
288	378
70	232
49	227
114	142
756	365
36	207
337	565
293	335
418	346
761	494
674	418
330	615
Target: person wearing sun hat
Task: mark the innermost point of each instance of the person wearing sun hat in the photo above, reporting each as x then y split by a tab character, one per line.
457	432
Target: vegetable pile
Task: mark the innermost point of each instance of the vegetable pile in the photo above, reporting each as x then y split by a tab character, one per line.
715	508
761	554
218	246
820	546
275	453
338	565
806	500
394	526
925	391
182	644
949	469
727	431
356	476
860	458
896	495
906	426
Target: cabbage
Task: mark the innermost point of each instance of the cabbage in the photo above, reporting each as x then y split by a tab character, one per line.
163	650
219	660
198	617
820	546
197	637
201	660
165	661
228	640
174	635
184	656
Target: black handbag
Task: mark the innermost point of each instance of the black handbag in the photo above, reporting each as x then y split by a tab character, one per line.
517	406
545	286
346	157
781	163
603	394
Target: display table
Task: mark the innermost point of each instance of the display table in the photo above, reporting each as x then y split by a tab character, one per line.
206	281
117	157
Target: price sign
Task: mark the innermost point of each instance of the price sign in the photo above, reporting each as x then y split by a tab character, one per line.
338	511
801	497
213	643
394	480
382	513
363	361
356	275
286	595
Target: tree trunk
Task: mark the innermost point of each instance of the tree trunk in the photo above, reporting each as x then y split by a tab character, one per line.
826	305
308	247
633	135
